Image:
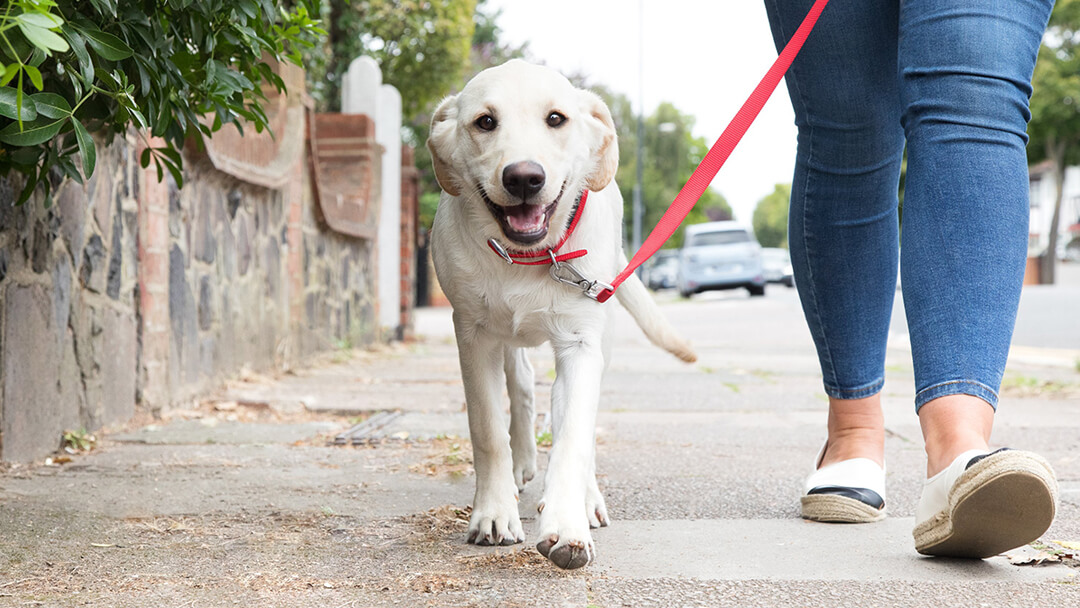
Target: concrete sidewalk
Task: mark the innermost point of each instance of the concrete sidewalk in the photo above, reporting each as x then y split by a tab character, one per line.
244	500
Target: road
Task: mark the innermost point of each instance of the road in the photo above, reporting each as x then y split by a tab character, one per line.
242	499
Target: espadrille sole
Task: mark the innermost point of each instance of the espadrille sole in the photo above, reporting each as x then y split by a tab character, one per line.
1003	501
831	508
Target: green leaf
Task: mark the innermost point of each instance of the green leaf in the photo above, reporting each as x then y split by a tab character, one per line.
86	147
172	154
43	20
139	117
78	46
51	105
11	72
35	76
144	158
43	38
108	46
28	189
9	105
33	134
27	157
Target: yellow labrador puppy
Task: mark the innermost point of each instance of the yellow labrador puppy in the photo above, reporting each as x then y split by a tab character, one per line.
526	162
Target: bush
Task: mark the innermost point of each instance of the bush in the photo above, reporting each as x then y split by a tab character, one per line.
172	68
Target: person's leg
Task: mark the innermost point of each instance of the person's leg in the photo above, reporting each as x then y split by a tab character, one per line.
965	73
842	228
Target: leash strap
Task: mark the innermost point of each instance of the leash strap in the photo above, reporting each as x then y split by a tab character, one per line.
718	154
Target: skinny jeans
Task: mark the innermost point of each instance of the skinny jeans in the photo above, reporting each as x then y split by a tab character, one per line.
950	79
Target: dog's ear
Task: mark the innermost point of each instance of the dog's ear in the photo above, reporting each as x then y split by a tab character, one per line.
441	144
606	151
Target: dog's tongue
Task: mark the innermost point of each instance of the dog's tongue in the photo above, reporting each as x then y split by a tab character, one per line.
525	218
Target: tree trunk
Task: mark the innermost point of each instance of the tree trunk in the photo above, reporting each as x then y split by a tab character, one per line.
1055	152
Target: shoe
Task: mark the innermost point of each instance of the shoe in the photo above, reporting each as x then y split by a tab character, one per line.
985	503
850	491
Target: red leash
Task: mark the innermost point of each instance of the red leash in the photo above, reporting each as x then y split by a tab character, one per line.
718	154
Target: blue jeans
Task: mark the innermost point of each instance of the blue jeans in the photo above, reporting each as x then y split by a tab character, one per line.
951	79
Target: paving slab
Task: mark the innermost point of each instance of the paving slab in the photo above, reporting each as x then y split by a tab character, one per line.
246	501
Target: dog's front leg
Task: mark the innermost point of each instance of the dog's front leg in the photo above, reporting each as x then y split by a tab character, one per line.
564	524
495	519
519	384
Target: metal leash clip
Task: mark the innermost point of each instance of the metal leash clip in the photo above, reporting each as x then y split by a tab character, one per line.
565	272
499	249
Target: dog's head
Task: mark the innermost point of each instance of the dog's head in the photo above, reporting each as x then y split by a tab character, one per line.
519	144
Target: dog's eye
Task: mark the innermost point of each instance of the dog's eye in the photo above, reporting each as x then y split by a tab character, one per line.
486	123
555	119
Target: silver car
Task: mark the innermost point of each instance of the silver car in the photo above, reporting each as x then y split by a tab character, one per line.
777	266
720	255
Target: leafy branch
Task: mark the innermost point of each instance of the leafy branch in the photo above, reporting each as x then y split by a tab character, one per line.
173	69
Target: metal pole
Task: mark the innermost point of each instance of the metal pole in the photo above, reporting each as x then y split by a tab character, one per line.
638	208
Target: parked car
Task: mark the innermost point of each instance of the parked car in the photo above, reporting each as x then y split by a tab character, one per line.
776	264
720	255
663	270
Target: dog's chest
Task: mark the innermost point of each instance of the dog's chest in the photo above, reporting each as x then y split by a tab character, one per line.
529	313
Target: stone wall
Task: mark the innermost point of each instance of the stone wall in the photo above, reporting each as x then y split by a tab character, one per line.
68	315
128	292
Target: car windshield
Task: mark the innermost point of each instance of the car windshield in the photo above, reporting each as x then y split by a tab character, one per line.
726	237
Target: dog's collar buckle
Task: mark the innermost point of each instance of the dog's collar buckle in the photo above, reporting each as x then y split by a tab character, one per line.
565	272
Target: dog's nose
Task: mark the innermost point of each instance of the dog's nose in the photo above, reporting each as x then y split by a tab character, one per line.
523	179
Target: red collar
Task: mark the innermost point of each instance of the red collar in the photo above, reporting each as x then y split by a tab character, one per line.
547	256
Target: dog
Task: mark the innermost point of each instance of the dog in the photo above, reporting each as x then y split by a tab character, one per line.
523	157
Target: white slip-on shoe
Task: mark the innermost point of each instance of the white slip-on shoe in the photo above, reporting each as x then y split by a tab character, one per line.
850	491
985	503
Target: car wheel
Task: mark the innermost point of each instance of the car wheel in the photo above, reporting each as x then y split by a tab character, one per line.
790	282
685	294
756	290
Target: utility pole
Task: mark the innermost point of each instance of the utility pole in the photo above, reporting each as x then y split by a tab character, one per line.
638	207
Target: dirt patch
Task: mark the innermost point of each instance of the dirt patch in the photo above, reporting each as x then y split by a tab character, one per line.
1018	386
447	456
441	522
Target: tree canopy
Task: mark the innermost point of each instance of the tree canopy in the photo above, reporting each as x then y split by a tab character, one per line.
1055	110
771	217
671	153
422	46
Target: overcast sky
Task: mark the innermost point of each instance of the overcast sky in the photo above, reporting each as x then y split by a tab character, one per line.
703	56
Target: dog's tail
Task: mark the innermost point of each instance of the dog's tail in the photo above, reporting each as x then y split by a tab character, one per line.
633	295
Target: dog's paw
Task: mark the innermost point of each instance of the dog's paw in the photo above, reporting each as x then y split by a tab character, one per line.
524	471
495	521
565	538
595	508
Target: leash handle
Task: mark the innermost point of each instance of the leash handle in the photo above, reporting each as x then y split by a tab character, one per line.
718	154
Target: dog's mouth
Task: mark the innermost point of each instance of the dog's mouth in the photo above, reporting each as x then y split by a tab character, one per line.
525	223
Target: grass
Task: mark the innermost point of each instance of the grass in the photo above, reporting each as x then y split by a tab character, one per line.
78	441
544	439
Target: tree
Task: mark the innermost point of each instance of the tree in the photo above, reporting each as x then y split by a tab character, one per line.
671	153
422	47
771	216
1055	110
68	69
488	50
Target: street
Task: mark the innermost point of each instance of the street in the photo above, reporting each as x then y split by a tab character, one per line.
243	499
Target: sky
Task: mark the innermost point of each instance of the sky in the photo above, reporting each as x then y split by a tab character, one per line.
705	57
